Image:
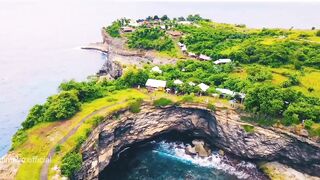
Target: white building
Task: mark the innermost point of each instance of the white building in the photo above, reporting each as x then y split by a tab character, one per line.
177	82
134	23
184	48
153	83
191	54
222	61
156	69
204	57
225	91
184	22
203	87
127	29
232	93
180	44
192	83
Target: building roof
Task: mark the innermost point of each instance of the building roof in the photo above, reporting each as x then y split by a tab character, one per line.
184	22
134	23
192	83
184	48
156	69
191	54
127	29
203	87
180	44
204	57
156	83
175	33
225	91
177	81
230	93
222	61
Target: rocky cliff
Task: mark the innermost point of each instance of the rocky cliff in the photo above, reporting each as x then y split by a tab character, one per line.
222	129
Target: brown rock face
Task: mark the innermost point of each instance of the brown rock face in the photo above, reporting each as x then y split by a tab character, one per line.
221	129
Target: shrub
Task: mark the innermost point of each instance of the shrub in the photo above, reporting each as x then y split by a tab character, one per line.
114	29
292	81
162	102
150	38
310	89
19	138
211	107
97	120
187	98
58	148
134	106
248	128
292	119
71	163
318	33
258	74
87	91
315	131
61	106
80	140
308	124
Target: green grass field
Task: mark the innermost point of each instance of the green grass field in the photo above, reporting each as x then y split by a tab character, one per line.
45	136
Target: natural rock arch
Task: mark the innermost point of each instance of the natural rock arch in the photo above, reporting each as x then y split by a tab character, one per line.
222	129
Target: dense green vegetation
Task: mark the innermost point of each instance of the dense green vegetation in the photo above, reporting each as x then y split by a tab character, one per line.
273	47
162	102
87	91
71	163
19	138
114	29
269	66
274	101
280	53
134	106
58	107
150	38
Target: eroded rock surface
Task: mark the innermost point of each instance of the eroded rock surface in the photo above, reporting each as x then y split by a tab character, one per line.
222	129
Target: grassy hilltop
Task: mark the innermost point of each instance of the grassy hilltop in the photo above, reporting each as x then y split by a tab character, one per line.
277	69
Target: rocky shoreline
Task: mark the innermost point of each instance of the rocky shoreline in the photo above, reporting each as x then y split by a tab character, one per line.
222	129
118	56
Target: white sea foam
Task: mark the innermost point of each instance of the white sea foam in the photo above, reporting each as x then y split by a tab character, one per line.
215	160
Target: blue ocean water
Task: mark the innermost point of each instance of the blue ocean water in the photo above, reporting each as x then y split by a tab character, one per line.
168	160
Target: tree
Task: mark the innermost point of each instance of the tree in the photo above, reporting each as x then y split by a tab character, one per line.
71	162
258	74
61	106
135	78
149	18
265	99
292	81
164	18
156	17
181	18
194	18
318	33
114	29
34	117
87	91
150	38
58	107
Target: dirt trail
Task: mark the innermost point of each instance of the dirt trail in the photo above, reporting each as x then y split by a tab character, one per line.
45	166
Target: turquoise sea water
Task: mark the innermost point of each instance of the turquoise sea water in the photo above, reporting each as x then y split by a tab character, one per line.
40	40
168	160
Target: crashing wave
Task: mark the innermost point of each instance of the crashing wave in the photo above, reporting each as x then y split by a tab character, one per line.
215	160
